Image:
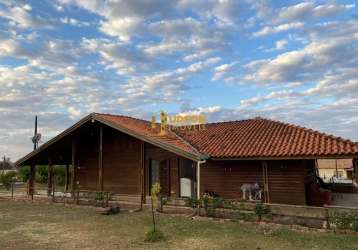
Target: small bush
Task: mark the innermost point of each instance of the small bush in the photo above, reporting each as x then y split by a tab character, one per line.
7	178
24	173
191	202
41	174
261	209
154	236
210	204
345	220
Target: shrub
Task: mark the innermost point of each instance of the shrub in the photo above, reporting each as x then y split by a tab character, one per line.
191	202
41	174
24	173
210	204
59	173
260	210
7	178
154	236
345	220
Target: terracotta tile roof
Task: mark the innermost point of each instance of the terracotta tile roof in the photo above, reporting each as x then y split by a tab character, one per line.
257	138
254	138
144	129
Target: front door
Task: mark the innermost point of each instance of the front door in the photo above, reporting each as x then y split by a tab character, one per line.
159	172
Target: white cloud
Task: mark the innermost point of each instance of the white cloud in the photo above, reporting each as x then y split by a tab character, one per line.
306	64
269	30
309	9
222	71
20	16
281	44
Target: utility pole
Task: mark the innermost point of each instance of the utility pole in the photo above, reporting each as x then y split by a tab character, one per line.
35	133
32	167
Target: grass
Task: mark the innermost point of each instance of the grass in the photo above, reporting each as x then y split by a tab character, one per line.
39	226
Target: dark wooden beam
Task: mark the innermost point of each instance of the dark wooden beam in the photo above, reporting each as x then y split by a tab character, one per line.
73	174
100	158
49	179
67	177
266	182
142	171
31	188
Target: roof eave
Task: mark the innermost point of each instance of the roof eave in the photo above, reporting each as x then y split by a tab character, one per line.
311	157
55	139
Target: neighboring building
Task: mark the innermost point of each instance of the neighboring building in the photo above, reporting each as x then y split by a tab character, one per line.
330	169
126	156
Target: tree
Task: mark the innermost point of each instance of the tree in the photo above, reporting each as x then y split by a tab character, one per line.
154	235
6	164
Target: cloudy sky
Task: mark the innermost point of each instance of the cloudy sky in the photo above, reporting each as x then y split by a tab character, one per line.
294	61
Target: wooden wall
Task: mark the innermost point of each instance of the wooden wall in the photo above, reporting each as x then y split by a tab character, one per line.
286	182
286	179
226	177
86	169
121	162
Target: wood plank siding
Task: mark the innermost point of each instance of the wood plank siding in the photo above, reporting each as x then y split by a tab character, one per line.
121	162
286	182
226	177
285	179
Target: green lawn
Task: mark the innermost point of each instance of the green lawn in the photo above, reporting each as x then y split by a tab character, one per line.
38	226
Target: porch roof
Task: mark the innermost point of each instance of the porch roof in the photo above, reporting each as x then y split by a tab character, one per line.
137	128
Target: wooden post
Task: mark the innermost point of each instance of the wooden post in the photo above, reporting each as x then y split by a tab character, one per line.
67	180
31	181
73	174
12	190
266	185
142	164
100	158
53	192
49	179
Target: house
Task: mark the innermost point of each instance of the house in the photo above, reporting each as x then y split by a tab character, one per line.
125	155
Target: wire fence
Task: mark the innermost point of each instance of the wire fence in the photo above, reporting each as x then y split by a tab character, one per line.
56	193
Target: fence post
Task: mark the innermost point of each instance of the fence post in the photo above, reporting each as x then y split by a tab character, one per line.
78	196
327	218
53	191
12	190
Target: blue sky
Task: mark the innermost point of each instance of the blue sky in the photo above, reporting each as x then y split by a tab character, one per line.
294	61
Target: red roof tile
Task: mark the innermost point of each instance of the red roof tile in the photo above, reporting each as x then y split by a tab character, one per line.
144	129
253	138
259	138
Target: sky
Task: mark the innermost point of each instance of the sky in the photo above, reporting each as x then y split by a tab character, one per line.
293	61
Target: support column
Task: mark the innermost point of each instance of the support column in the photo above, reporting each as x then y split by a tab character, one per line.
100	158
142	167
266	185
49	179
67	175
73	175
31	188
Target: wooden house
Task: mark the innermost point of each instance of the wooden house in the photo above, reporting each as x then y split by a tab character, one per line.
126	156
